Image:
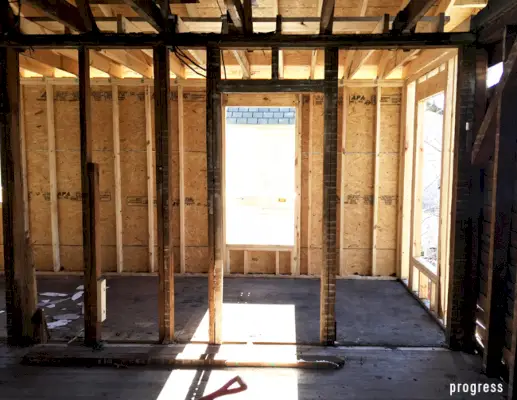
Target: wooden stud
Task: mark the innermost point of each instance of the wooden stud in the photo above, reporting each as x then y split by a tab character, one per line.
163	202
90	204
51	134
445	185
295	254
23	150
20	283
215	222
400	185
461	312
246	262
329	265
376	180
277	262
310	270
415	210
118	180
342	151
181	167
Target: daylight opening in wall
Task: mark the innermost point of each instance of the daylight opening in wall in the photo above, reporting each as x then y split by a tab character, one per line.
494	74
260	175
432	146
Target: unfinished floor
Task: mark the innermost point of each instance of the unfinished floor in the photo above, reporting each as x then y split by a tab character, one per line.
368	374
258	310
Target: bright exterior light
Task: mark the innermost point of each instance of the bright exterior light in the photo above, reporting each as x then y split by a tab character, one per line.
494	74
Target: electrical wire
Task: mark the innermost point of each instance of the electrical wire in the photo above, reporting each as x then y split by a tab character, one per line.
182	60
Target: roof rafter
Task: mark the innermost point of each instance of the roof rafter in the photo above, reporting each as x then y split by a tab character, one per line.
327	16
241	15
65	13
150	12
407	18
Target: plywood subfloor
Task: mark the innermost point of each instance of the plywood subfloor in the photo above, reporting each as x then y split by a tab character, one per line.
369	374
259	310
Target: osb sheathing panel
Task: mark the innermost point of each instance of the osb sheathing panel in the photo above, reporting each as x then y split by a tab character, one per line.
284	262
261	262
237	261
358	170
195	177
316	167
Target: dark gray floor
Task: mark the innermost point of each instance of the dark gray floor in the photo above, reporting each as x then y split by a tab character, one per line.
374	312
369	374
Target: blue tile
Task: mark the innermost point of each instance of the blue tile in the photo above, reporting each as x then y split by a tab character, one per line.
231	120
243	108
232	109
237	114
291	121
262	121
247	114
289	114
241	120
279	115
274	109
253	121
229	114
283	121
272	121
258	115
253	109
268	115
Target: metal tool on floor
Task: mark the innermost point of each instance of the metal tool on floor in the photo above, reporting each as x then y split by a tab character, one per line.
225	389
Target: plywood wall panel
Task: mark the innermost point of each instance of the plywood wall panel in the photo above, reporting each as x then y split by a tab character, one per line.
261	262
237	261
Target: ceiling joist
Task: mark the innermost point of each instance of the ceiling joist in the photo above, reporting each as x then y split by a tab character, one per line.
241	15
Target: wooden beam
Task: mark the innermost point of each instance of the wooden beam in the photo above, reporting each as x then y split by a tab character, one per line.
461	312
329	265
65	13
90	206
54	219
181	167
150	12
54	60
376	179
342	179
406	19
242	59
398	59
363	56
241	15
36	66
295	253
119	227
20	283
86	13
163	201
150	178
215	223
309	184
485	137
131	60
277	66
327	16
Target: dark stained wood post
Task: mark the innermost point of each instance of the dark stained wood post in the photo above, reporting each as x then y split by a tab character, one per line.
91	210
163	203
329	266
461	313
20	280
215	214
275	52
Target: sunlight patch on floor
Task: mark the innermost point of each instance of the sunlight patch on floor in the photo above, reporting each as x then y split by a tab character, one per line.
272	323
191	384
